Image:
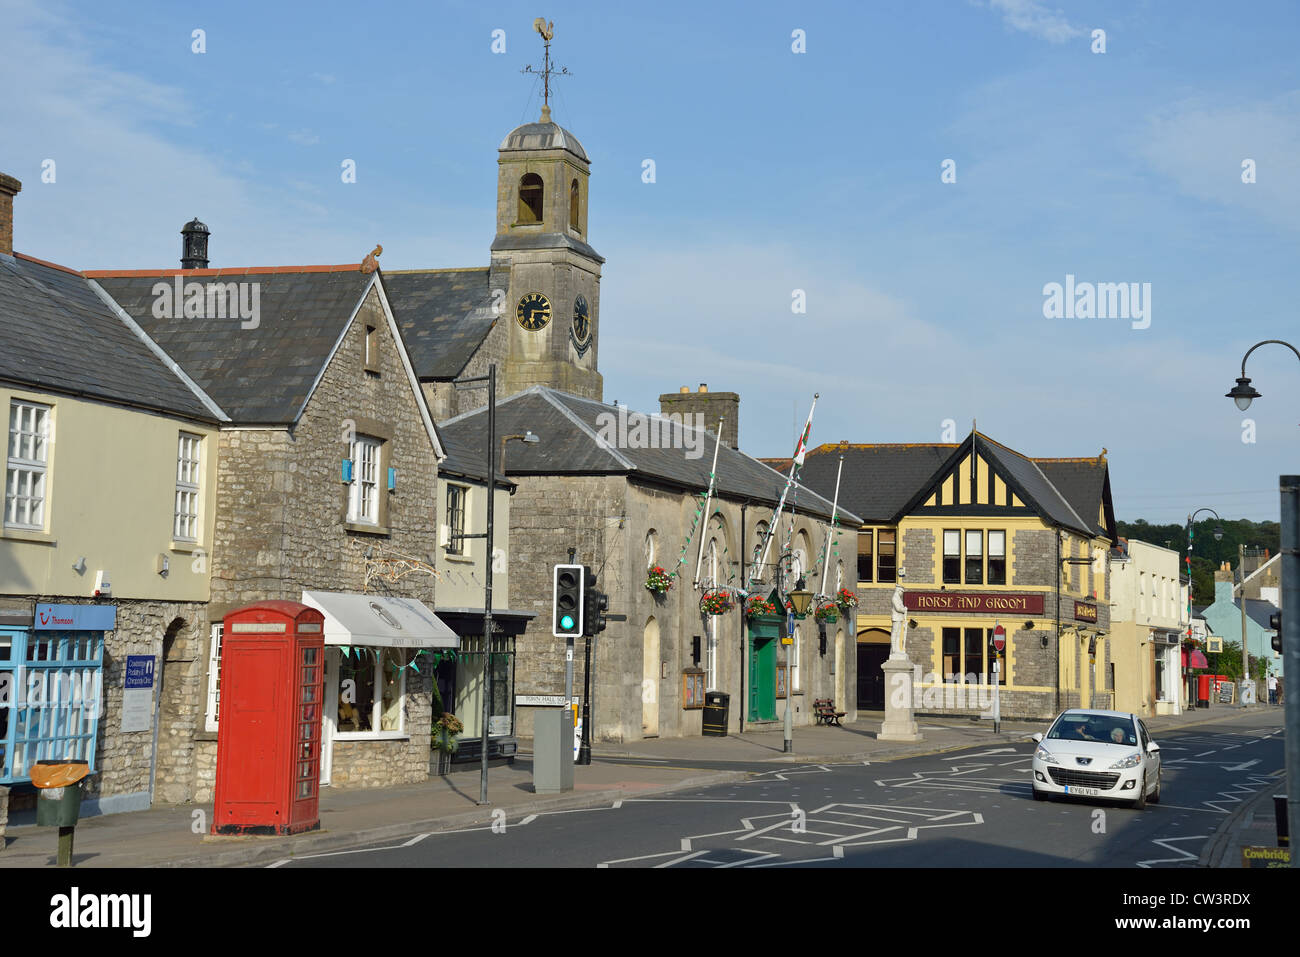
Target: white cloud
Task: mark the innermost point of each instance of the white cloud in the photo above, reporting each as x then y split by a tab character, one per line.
1032	17
1201	146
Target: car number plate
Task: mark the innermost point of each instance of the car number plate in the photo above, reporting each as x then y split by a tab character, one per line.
1079	790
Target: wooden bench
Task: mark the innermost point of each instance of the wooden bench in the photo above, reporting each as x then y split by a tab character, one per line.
824	709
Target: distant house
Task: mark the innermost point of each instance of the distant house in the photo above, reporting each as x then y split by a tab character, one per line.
1224	618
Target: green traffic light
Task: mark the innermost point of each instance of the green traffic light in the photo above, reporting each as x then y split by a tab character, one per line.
566	622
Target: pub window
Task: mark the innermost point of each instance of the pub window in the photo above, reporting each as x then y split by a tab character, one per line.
887	558
951	654
866	569
951	556
997	558
975	663
974	557
530	198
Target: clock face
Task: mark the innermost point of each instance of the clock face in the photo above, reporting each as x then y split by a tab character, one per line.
533	311
581	320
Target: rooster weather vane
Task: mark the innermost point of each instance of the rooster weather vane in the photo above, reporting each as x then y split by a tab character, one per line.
546	31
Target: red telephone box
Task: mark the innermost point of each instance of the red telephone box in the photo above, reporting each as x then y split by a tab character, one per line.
268	735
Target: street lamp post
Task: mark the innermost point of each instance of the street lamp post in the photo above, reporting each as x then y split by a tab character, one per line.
1243	393
1218	536
800	599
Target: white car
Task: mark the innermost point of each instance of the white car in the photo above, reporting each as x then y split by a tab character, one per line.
1097	754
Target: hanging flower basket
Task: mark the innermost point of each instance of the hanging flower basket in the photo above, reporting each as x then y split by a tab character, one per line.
846	599
657	580
827	611
445	730
715	603
758	605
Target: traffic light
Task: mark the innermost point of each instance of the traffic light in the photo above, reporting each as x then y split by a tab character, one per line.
568	600
1275	622
594	604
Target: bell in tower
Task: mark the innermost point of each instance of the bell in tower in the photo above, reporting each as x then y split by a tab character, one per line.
542	258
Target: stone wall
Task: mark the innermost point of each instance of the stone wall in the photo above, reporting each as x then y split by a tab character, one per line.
609	519
281	529
446	401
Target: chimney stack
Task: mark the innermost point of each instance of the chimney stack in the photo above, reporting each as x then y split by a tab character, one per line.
9	188
708	405
194	246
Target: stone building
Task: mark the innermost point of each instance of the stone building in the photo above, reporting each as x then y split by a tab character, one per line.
980	535
627	491
326	486
110	468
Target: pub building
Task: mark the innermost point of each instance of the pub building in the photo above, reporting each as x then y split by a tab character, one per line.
979	535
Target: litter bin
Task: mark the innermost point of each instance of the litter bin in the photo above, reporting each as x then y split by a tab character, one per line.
58	803
717	705
1202	691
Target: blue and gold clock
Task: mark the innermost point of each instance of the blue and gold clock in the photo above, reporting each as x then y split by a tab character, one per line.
533	311
581	319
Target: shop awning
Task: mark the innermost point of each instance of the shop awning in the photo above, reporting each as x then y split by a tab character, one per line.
379	620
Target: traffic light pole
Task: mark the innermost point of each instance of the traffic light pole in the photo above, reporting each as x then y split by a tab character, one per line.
1290	488
584	751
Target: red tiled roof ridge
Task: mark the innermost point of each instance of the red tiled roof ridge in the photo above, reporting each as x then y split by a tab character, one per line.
834	446
224	271
42	262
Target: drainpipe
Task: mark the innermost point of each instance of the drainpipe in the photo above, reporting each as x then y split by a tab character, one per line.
744	583
1056	533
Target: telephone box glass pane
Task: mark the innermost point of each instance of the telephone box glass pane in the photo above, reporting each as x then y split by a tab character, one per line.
309	712
309	656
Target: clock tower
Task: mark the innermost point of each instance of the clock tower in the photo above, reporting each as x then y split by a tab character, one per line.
545	276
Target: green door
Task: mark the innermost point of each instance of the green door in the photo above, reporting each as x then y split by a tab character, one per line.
762	669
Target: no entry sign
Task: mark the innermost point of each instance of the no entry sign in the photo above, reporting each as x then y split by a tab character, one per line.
999	638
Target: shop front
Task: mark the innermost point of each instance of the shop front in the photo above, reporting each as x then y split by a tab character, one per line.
379	651
51	682
475	668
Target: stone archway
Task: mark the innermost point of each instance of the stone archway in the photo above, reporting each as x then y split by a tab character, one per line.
176	708
873	648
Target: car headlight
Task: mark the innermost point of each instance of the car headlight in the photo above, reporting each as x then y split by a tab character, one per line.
1042	754
1132	761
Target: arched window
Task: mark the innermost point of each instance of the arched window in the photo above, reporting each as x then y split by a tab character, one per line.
574	222
530	198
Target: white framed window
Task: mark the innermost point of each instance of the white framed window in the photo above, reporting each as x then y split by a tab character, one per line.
371	693
214	676
26	462
456	500
185	517
363	496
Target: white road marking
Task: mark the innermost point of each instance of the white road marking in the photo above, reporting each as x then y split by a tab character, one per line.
1184	855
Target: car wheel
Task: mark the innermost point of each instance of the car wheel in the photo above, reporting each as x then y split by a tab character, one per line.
1155	795
1141	801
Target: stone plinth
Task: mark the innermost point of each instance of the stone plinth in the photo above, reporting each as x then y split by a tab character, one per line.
900	725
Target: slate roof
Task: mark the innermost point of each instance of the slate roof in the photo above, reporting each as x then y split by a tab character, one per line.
56	333
878	480
468	462
885	482
444	315
571	443
262	375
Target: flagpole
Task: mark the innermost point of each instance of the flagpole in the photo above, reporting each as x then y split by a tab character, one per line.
708	497
794	465
835	504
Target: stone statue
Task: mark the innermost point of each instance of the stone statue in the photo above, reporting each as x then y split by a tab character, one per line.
898	632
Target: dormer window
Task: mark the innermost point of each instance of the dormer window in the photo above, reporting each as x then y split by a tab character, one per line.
530	198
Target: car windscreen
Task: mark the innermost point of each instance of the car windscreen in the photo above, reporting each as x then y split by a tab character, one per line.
1108	729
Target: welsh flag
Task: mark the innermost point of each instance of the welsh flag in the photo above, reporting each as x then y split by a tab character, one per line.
802	448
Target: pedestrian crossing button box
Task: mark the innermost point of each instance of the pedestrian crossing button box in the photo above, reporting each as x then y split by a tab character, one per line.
269	720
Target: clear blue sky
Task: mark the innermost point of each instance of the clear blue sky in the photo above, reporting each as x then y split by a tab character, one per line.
776	171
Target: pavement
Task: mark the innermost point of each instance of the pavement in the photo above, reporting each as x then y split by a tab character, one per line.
177	836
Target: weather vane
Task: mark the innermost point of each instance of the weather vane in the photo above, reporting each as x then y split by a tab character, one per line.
546	30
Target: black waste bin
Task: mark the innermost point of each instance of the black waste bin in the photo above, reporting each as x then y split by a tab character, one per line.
717	705
58	802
